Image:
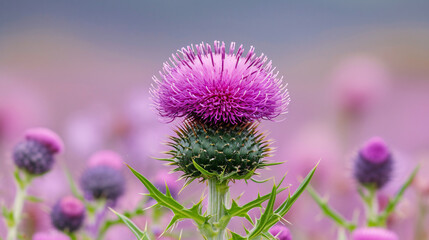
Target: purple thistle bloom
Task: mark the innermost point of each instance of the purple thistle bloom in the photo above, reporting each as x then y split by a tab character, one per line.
68	214
281	232
102	182
36	153
374	164
219	86
373	234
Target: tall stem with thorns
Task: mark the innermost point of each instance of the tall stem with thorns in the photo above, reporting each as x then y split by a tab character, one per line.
217	202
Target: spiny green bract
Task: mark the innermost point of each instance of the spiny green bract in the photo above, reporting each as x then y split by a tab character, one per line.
231	151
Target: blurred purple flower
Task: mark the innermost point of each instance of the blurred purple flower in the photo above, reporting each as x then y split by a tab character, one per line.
47	137
106	158
375	151
50	236
374	164
281	232
219	86
68	214
358	82
102	182
373	233
36	153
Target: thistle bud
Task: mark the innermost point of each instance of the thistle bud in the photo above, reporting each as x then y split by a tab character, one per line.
36	153
102	182
374	164
223	150
68	214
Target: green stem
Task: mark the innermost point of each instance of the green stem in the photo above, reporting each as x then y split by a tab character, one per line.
18	204
328	211
216	209
72	236
371	207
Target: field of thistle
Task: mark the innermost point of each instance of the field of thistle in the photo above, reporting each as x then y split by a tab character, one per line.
223	120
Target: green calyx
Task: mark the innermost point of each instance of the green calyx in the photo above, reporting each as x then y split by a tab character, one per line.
225	152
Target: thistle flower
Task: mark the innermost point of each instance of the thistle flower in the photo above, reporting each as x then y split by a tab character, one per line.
217	86
373	234
36	153
68	214
102	182
280	232
50	236
374	163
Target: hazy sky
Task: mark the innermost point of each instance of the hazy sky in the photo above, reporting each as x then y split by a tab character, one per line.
176	23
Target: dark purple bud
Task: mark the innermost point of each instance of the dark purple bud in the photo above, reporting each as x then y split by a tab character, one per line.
102	182
68	214
373	233
280	232
33	157
374	164
36	153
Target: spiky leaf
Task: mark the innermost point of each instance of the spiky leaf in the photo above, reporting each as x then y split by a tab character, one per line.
328	211
168	201
266	216
394	202
141	235
263	225
241	211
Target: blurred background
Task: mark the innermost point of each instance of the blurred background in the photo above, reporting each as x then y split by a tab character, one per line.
355	69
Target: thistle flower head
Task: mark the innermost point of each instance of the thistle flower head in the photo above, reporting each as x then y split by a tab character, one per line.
219	85
106	158
102	182
373	164
68	214
36	153
281	232
373	233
